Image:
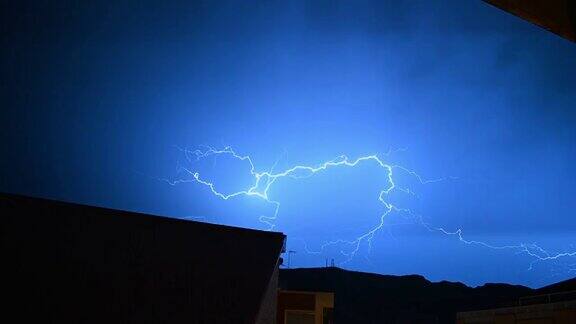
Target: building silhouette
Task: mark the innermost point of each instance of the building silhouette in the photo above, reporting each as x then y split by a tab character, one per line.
70	263
556	16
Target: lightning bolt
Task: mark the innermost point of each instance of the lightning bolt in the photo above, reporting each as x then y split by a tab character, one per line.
263	181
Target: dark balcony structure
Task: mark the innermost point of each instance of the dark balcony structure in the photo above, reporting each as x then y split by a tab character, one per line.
556	16
69	263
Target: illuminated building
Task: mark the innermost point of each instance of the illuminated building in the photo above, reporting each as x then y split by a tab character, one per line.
305	307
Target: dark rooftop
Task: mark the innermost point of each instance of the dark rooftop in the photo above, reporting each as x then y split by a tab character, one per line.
66	262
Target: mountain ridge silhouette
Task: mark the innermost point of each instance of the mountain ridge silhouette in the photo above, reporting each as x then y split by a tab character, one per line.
361	297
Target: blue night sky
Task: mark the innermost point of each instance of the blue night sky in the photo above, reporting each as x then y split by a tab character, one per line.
97	98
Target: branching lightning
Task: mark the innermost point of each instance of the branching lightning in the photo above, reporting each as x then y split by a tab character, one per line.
263	181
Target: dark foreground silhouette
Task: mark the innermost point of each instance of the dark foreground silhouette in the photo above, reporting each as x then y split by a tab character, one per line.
370	298
70	263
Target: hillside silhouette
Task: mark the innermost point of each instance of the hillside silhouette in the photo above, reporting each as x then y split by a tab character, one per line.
372	298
